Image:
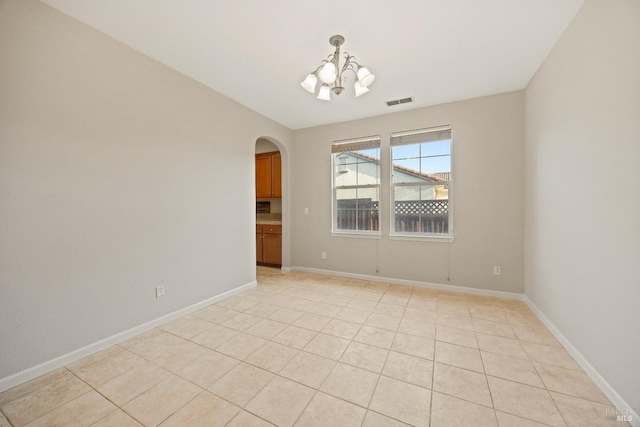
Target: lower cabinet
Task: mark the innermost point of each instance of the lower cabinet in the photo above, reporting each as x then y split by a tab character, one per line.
269	244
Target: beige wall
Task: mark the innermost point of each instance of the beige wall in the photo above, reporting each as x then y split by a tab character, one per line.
487	198
583	190
113	180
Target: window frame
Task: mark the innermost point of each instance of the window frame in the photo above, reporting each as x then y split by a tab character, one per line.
336	232
421	236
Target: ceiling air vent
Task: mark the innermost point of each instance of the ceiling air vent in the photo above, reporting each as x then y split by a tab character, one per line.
399	101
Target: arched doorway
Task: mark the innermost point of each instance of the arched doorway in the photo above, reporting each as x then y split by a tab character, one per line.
268	179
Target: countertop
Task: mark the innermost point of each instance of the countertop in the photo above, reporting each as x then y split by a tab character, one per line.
269	219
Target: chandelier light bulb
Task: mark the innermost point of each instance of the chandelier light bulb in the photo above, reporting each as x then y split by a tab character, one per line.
325	93
365	77
360	90
309	84
328	73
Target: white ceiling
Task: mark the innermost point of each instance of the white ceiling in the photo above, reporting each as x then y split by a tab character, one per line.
257	51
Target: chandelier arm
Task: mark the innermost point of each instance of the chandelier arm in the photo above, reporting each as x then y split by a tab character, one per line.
352	70
348	63
320	66
353	62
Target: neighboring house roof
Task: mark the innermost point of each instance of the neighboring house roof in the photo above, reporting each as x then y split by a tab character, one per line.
438	176
443	176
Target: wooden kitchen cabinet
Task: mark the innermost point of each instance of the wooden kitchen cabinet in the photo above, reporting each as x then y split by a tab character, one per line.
269	244
269	175
276	175
259	250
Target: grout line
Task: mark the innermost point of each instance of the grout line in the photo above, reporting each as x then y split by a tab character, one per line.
382	370
433	372
6	417
307	405
486	379
387	416
101	394
550	396
110	413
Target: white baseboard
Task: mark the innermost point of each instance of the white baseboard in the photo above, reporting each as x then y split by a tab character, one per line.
610	392
438	286
285	269
51	365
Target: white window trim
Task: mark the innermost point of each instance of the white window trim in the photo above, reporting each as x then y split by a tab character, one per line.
420	237
352	233
358	234
362	234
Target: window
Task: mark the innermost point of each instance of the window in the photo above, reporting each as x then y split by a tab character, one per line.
421	183
356	185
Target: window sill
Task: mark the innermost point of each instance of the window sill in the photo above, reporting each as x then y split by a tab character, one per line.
356	235
422	238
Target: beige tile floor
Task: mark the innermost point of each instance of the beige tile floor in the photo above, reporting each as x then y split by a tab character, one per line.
311	350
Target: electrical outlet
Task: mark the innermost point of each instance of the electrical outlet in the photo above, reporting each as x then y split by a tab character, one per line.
323	255
159	291
497	270
306	211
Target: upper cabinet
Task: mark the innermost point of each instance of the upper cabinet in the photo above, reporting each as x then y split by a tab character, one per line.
268	175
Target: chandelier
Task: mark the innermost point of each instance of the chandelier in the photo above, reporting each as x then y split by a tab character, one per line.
331	74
